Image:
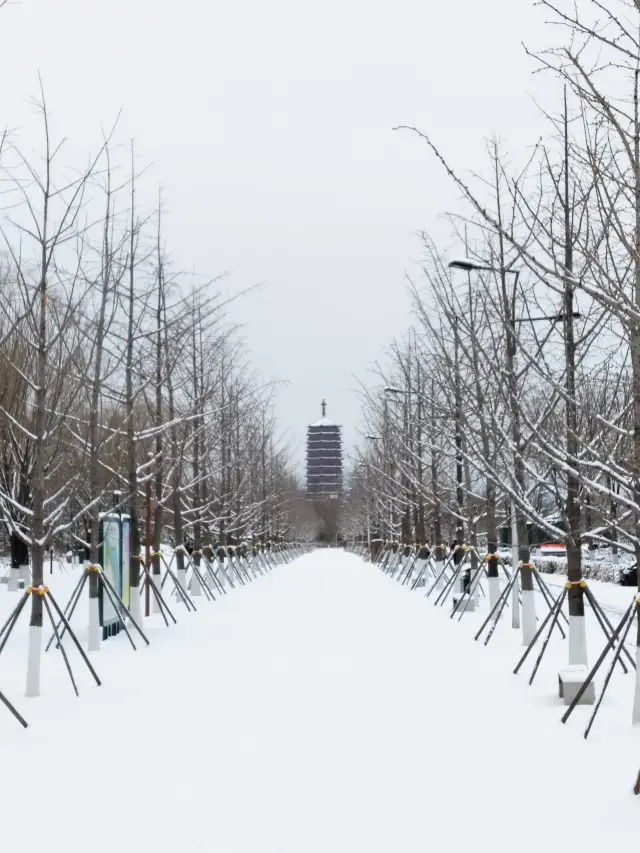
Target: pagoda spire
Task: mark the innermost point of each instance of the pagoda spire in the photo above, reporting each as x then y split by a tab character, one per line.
324	408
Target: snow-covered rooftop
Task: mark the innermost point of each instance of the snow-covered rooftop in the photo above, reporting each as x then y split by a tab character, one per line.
324	422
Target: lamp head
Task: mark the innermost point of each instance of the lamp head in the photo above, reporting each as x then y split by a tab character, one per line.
465	264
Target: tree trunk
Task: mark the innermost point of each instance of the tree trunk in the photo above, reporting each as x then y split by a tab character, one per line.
34	658
515	591
439	549
577	628
94	438
459	553
158	510
176	480
132	473
634	346
613	517
492	530
197	526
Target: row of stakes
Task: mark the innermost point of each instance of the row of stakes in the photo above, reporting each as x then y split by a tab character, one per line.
401	561
214	571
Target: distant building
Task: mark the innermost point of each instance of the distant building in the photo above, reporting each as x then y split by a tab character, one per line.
324	459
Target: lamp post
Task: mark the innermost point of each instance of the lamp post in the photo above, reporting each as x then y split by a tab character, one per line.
524	554
567	317
418	499
405	394
363	465
376	438
147	541
577	640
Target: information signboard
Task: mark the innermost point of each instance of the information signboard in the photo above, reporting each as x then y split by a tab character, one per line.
111	562
126	538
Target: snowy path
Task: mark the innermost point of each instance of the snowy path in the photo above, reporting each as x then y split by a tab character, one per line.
322	709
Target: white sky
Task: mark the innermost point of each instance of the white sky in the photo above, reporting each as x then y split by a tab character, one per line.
269	125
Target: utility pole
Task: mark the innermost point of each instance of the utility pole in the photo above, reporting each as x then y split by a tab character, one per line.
147	542
459	552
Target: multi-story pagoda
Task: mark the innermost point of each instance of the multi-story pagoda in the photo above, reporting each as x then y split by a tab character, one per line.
324	459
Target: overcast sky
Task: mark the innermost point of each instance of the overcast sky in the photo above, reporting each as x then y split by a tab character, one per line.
269	125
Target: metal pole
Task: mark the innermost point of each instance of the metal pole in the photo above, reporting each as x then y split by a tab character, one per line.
368	514
515	597
147	549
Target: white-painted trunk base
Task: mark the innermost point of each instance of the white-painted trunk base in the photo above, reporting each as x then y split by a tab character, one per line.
34	659
157	582
463	570
439	575
419	569
135	605
635	718
196	586
475	584
494	592
181	575
577	641
528	616
430	572
515	604
95	632
515	561
14	574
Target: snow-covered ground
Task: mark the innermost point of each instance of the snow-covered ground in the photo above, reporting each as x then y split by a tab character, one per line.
321	708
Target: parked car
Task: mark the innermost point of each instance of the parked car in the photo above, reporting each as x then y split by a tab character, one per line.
552	549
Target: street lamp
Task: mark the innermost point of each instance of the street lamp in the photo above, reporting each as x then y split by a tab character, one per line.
529	625
396	393
378	438
469	265
364	465
555	318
